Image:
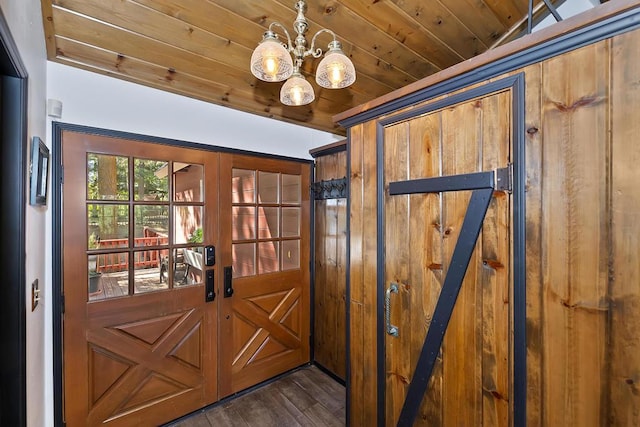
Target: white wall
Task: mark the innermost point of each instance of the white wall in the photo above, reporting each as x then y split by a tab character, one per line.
95	100
567	10
25	22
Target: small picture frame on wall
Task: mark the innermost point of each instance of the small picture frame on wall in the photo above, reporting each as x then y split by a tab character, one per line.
39	172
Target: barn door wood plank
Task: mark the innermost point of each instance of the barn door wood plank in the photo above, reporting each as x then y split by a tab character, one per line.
397	259
426	253
462	346
493	270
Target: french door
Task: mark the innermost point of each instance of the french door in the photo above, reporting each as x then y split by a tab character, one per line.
264	321
185	277
139	334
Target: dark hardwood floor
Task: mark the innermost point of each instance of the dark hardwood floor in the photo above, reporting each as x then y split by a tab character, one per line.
306	397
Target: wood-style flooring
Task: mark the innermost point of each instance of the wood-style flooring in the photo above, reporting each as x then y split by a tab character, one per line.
306	397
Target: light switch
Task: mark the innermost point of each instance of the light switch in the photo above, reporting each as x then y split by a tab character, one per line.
35	294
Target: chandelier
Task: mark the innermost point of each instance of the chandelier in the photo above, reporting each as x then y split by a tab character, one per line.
272	61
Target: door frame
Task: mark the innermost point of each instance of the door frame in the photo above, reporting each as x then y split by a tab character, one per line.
516	84
13	163
57	253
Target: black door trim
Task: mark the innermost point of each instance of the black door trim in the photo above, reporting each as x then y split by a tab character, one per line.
13	163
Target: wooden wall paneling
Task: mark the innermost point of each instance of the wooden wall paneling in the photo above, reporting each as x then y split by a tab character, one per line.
320	326
397	259
356	282
534	276
624	351
340	338
330	280
493	269
575	235
426	276
370	276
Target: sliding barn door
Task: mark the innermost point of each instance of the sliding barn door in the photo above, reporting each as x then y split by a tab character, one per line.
470	379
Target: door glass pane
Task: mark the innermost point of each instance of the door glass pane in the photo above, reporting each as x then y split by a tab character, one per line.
268	257
107	226
268	224
151	180
177	265
243	186
243	220
290	254
188	182
268	187
108	275
107	177
147	272
243	259
187	224
290	222
193	265
152	225
291	192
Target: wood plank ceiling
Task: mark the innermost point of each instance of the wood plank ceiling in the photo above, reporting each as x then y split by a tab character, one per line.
201	49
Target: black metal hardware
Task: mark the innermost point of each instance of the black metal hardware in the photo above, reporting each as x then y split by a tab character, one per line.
209	256
332	189
228	282
504	179
460	259
553	10
470	181
210	293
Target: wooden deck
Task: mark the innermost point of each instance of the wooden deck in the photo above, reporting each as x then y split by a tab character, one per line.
113	285
306	397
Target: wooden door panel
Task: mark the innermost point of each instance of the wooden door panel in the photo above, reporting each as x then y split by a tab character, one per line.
148	361
421	231
265	323
148	356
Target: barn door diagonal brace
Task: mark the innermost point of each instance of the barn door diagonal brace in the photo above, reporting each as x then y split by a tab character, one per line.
482	185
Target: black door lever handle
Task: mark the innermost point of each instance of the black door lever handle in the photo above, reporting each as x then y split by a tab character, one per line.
210	293
228	282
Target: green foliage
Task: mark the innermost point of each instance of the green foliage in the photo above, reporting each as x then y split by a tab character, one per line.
148	185
196	236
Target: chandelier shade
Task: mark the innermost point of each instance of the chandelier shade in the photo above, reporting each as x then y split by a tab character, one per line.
273	61
336	70
297	91
270	61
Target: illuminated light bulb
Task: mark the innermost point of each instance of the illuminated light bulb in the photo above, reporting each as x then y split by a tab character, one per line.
296	95
270	61
336	70
270	65
296	91
336	74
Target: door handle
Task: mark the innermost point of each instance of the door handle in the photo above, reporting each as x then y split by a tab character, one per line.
209	289
228	282
391	330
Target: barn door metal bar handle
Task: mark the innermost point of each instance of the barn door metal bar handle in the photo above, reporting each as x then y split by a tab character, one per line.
391	330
